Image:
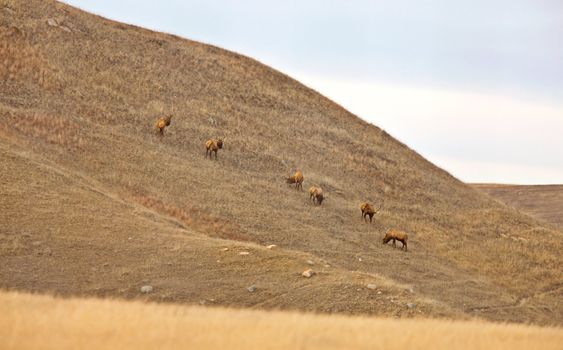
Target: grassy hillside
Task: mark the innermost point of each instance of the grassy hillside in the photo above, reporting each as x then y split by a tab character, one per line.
543	202
95	203
41	322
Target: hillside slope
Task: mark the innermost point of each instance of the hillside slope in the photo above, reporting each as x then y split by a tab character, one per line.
89	187
543	202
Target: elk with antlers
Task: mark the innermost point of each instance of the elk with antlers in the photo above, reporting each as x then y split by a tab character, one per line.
369	210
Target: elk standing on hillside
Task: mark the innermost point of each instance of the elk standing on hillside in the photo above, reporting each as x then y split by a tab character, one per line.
162	123
368	210
296	179
213	145
400	236
316	195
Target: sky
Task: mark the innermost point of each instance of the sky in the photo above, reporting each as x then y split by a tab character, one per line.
476	87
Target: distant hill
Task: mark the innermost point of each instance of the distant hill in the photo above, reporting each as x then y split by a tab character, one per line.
544	202
95	203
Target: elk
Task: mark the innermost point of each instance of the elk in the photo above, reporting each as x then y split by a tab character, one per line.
296	179
316	195
213	145
393	235
162	123
368	210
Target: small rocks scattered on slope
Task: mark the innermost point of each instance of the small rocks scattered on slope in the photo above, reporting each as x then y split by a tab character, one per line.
146	289
308	273
54	23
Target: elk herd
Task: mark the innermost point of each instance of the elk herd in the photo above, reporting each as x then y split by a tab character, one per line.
315	193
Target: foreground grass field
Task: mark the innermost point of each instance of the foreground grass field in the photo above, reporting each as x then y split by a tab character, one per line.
43	322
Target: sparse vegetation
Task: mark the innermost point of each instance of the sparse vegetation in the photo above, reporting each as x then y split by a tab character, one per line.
51	129
21	60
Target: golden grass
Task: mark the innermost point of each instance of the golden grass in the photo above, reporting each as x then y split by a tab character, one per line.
40	127
20	60
43	322
194	218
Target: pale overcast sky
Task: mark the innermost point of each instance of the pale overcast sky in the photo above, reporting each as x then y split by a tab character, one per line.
474	86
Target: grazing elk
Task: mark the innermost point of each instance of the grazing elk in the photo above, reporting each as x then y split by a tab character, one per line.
162	123
316	195
213	145
296	179
368	210
393	235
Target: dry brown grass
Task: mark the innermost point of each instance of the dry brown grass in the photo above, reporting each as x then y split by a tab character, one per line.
82	204
193	218
42	322
40	127
20	60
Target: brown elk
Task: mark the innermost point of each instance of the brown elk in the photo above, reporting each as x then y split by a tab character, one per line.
316	195
394	235
296	179
369	210
162	123
213	145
